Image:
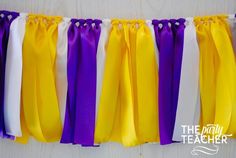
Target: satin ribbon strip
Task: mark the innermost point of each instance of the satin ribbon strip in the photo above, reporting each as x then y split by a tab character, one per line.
150	25
39	100
61	65
108	97
124	123
217	64
188	101
232	23
147	85
6	19
13	75
101	57
125	113
83	37
169	38
207	72
225	91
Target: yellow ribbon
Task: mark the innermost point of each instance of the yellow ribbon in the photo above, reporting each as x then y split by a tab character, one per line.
217	73
207	72
128	105
147	86
39	100
110	87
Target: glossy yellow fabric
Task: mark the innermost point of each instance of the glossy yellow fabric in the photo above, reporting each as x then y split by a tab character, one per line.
125	115
147	86
108	100
207	72
128	105
217	72
232	74
39	100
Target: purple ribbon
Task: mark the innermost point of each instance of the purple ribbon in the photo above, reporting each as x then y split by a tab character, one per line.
169	38
79	125
6	18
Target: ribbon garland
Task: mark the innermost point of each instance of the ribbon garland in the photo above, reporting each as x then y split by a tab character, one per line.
87	82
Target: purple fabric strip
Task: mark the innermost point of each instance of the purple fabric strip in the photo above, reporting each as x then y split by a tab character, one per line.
169	38
79	126
6	17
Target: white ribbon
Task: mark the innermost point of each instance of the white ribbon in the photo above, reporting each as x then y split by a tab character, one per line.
61	65
232	22
101	56
149	23
188	102
13	74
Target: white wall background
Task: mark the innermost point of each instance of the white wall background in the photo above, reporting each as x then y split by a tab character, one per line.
147	9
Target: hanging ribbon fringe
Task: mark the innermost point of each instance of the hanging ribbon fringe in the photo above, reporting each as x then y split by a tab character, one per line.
90	81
